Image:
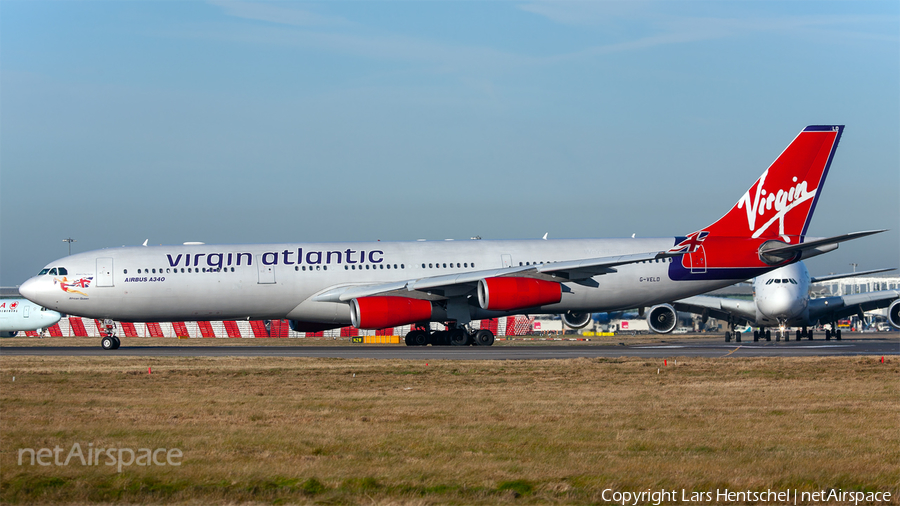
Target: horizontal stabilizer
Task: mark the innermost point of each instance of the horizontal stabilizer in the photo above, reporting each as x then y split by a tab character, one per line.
776	252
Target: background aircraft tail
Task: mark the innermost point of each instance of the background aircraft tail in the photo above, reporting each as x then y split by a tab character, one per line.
780	204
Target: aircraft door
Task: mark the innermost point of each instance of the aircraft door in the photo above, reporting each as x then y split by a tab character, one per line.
266	272
507	260
697	260
105	272
25	310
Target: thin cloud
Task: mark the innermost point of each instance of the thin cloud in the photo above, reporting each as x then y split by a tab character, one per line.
278	14
442	57
623	20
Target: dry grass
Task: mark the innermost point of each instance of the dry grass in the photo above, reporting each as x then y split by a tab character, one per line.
338	431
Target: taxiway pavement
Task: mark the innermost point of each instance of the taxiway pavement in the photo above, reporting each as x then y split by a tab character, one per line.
871	347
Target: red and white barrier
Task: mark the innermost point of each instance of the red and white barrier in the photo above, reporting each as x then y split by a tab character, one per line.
84	327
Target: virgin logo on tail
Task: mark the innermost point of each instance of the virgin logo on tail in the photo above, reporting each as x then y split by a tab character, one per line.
782	201
787	191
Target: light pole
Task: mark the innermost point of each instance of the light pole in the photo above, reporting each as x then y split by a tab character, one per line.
854	267
70	241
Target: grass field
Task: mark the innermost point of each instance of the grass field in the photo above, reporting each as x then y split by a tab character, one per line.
331	431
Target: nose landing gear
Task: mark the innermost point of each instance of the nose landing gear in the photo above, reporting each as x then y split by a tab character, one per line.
110	341
731	332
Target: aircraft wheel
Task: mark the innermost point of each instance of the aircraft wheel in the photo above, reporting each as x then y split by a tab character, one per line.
417	338
440	338
737	337
768	335
837	334
827	335
107	343
728	337
116	343
459	337
755	336
484	338
798	335
810	335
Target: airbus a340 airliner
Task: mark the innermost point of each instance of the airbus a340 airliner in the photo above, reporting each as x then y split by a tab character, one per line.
386	284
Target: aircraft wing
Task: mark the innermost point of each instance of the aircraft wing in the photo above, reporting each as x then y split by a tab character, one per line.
848	275
835	308
718	307
453	285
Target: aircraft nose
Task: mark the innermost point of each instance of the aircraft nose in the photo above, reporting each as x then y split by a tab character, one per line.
52	317
35	290
28	289
779	304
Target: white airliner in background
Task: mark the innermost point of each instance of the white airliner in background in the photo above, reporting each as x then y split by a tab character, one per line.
387	284
19	314
781	298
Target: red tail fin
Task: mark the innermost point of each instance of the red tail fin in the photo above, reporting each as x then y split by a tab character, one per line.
780	204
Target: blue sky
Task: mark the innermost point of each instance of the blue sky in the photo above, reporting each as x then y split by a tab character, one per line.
235	122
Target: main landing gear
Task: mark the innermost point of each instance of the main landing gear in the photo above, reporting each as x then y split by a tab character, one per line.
804	333
782	334
834	332
762	334
110	341
732	333
458	336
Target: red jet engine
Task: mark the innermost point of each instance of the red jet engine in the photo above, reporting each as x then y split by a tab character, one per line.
508	294
383	312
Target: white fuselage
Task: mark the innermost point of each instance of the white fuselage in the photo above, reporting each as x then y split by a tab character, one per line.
270	281
20	315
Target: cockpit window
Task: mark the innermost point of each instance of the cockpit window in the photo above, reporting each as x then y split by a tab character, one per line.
53	271
43	271
784	281
778	281
793	281
62	270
